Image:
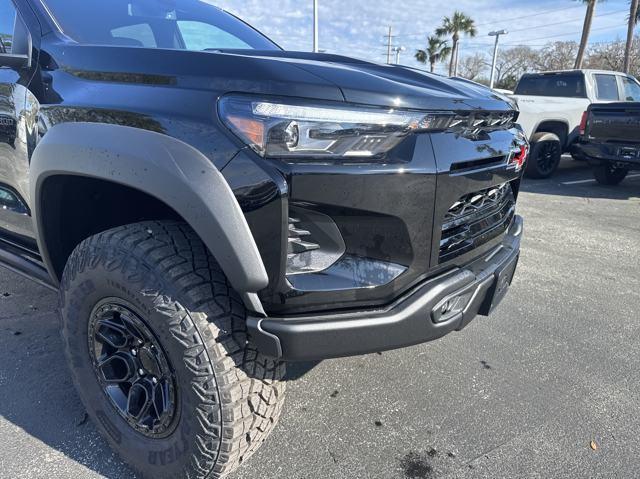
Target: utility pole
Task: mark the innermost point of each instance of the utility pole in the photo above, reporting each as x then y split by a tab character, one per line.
495	54
315	26
389	40
633	15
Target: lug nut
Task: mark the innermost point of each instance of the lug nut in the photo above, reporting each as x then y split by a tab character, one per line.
154	380
141	372
134	352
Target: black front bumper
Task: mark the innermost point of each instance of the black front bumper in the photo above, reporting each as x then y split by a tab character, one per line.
475	289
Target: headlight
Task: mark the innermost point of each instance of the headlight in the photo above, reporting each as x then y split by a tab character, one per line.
286	129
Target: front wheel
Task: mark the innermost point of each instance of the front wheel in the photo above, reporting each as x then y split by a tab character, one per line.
607	174
157	344
546	152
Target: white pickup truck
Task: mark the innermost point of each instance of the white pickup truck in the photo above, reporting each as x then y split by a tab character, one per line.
552	106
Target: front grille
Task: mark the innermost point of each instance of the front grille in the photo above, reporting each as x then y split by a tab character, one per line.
483	120
475	219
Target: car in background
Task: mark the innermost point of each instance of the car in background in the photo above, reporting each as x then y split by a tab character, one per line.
610	140
551	107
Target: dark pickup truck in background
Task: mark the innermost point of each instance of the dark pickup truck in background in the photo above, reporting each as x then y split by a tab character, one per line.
610	140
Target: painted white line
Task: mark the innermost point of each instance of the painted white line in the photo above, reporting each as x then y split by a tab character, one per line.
582	182
578	182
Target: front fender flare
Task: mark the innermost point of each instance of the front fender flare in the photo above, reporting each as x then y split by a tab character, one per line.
165	168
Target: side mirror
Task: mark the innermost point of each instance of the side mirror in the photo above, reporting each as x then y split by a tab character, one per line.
18	52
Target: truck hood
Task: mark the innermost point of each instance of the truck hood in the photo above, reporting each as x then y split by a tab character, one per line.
299	74
387	85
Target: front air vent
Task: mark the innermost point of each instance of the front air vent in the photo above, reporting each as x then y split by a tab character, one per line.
297	244
314	242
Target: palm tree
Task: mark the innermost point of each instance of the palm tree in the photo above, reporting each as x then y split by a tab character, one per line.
586	30
458	24
437	51
634	16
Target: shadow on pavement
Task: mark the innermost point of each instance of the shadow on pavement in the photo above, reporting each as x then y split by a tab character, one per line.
570	171
37	394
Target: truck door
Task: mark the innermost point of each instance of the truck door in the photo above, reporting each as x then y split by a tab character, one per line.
16	71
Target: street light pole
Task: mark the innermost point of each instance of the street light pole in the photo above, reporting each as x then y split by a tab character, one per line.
495	54
315	26
398	51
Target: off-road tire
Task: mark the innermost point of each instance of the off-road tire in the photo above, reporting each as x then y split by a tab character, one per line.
605	174
546	153
229	396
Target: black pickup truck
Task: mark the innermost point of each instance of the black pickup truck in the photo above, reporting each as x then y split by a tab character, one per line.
610	140
210	206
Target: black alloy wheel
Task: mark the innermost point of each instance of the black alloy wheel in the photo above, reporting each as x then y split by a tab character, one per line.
546	153
547	158
157	343
132	368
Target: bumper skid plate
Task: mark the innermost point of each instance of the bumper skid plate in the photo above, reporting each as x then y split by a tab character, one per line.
433	309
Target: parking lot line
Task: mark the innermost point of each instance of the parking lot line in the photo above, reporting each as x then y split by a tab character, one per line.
580	182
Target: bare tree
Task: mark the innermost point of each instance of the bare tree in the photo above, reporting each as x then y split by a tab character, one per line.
556	56
512	63
473	66
610	56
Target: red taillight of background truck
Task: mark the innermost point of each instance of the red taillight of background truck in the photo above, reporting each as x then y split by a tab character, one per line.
583	123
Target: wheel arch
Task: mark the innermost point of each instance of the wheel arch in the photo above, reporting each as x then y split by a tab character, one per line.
559	128
76	164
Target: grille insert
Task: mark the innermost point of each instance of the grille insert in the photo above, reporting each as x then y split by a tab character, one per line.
475	219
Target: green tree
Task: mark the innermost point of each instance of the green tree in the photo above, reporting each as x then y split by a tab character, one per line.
437	51
634	16
586	31
458	24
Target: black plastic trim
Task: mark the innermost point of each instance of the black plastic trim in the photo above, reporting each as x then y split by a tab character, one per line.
18	261
406	322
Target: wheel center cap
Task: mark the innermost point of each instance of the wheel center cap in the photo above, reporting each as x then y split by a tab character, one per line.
149	362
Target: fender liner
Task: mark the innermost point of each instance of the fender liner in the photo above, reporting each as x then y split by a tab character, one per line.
165	168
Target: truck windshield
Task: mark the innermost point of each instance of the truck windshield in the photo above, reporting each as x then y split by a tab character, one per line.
569	85
175	24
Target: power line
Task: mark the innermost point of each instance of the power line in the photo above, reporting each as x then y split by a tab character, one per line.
547	37
565	22
528	16
574	33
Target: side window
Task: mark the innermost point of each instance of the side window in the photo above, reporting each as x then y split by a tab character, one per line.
140	35
631	89
201	36
7	25
607	87
9	201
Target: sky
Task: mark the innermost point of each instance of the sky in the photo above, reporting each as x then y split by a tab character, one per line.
358	28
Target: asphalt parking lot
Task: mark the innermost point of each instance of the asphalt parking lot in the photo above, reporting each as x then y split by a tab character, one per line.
546	388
